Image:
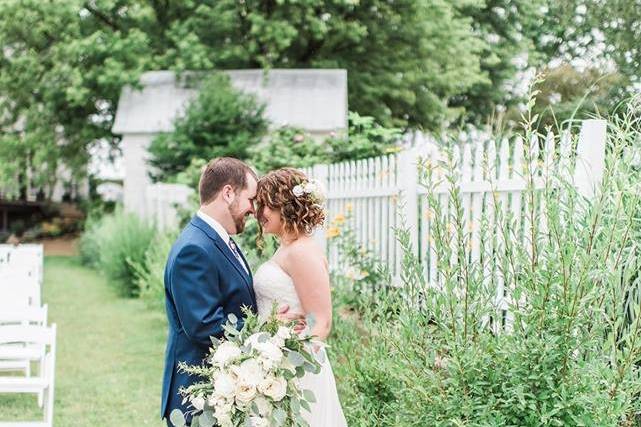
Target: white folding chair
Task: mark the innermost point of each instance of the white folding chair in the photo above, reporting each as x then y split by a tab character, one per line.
18	289
24	261
18	357
44	382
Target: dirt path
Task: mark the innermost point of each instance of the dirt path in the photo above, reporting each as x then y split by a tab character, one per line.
63	246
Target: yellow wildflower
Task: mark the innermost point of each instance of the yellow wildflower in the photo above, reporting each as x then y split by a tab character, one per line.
339	219
349	207
333	232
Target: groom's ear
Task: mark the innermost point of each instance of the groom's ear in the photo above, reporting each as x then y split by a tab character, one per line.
228	193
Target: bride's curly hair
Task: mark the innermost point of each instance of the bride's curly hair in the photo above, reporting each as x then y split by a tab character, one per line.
300	214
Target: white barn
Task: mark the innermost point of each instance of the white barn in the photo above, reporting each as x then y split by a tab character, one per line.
312	99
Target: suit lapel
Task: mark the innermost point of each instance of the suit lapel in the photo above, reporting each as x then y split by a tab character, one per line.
211	233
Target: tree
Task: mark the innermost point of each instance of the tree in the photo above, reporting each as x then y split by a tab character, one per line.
61	72
221	121
66	61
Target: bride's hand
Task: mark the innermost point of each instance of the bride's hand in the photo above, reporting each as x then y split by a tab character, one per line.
285	316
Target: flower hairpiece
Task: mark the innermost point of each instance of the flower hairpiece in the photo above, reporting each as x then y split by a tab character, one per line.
311	187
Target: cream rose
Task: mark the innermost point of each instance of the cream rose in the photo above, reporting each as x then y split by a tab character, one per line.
275	388
245	393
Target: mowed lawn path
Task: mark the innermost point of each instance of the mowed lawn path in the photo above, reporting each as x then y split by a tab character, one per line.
110	353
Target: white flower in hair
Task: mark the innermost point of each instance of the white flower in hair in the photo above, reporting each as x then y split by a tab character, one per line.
312	187
298	190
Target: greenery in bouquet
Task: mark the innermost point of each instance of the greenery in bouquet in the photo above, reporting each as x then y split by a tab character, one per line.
251	377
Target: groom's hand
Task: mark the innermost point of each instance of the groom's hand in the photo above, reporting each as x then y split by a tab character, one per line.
285	315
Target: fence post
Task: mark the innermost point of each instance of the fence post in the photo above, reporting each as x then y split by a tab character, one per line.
321	174
590	160
408	186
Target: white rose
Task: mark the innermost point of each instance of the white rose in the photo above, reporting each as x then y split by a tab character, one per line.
270	351
276	388
253	340
224	420
284	333
298	190
258	422
226	352
310	187
263	405
277	341
198	403
245	393
249	372
224	385
223	409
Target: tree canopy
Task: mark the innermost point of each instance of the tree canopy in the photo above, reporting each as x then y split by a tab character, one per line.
411	63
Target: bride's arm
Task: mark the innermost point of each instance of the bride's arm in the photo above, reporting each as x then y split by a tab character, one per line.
311	280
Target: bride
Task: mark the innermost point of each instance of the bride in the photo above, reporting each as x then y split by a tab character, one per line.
289	206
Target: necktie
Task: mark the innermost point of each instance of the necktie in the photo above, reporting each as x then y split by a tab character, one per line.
234	250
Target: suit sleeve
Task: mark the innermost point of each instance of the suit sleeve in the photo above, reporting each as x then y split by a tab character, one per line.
196	292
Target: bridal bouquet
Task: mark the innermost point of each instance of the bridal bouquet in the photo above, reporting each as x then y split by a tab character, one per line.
251	377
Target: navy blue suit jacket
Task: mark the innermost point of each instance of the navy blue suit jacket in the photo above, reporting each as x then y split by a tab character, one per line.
204	282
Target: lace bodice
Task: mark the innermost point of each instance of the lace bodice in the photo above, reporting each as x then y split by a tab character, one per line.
272	284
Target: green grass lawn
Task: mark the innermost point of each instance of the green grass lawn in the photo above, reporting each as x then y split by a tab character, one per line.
110	353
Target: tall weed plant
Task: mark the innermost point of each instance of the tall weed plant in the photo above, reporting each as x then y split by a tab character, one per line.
559	346
150	270
115	244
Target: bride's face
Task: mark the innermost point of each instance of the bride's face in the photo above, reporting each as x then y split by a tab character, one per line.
270	220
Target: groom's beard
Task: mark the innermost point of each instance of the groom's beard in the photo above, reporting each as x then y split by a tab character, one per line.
239	218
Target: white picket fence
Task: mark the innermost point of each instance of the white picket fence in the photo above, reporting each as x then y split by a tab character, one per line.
379	191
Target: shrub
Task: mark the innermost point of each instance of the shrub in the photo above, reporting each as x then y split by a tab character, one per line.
221	121
567	353
290	147
150	270
365	138
89	243
115	244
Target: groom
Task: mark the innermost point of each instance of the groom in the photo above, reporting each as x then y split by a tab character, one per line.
206	276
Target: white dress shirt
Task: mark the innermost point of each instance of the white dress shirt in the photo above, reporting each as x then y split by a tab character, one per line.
218	228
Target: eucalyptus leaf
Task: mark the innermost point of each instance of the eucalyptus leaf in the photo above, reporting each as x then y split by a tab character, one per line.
177	418
294	404
279	416
207	419
295	358
232	318
309	396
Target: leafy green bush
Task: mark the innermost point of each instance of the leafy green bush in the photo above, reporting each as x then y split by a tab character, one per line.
221	121
290	147
365	138
115	244
568	352
150	270
89	243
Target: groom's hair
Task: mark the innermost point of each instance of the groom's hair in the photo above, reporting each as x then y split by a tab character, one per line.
223	171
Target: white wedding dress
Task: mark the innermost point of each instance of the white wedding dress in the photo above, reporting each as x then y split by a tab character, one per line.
272	284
